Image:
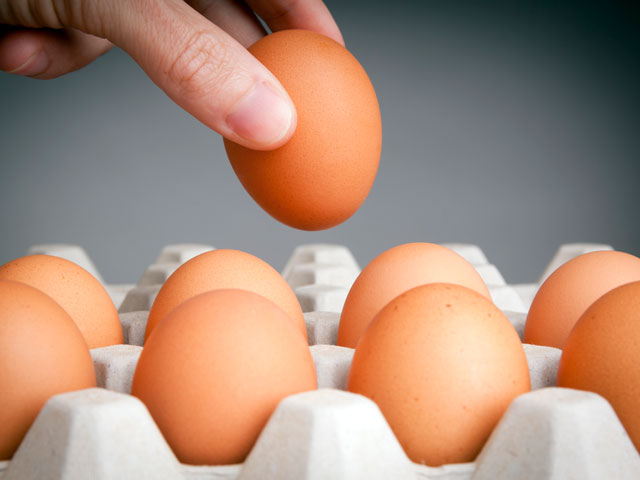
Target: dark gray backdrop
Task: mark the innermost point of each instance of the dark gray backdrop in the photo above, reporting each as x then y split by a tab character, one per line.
513	127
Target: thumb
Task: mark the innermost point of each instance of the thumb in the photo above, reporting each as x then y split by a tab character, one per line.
203	69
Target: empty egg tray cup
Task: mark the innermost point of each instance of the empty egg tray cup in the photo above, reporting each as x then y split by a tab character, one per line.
105	433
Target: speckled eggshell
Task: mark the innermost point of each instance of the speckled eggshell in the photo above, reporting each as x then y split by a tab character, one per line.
571	289
322	175
214	370
602	354
77	291
443	363
395	271
223	268
42	353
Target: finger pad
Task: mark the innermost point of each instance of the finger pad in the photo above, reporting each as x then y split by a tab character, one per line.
16	47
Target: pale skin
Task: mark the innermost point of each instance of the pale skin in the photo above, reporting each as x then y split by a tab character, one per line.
194	50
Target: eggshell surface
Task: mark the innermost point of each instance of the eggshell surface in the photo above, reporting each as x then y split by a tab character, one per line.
443	363
571	289
214	370
395	271
224	268
322	175
78	292
42	353
602	354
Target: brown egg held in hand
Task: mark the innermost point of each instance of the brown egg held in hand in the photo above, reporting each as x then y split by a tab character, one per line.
395	271
42	353
214	370
602	354
443	363
571	289
77	291
322	175
223	268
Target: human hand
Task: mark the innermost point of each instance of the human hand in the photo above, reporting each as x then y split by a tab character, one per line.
194	51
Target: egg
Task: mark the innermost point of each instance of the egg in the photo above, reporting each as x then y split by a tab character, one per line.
322	175
42	353
602	354
78	292
214	370
224	268
395	271
443	363
571	289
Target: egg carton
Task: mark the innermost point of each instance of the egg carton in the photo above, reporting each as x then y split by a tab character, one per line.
105	433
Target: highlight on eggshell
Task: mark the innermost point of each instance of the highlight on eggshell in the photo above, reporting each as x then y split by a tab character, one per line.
323	174
571	289
601	354
225	269
395	271
442	363
214	369
78	292
42	353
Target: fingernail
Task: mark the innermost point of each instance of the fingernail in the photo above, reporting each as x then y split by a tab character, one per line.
35	64
262	116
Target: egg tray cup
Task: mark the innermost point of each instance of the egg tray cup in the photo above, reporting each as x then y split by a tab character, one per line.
105	433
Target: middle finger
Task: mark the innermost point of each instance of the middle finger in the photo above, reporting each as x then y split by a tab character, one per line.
234	17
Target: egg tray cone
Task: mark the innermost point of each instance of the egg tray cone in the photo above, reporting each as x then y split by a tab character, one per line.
105	433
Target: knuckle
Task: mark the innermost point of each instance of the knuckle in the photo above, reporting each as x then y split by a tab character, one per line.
201	63
55	14
30	13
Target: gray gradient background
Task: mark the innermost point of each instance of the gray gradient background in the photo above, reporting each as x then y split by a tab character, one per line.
513	127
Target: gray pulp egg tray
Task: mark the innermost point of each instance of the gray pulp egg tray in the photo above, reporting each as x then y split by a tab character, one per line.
105	433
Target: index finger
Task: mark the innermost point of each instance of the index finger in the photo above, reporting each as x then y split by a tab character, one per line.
305	14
